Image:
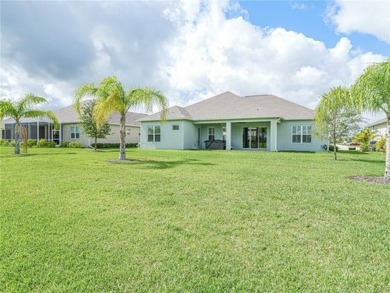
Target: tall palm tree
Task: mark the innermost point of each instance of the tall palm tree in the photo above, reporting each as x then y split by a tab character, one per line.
371	92
111	97
22	109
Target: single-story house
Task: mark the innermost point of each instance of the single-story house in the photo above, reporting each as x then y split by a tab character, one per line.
70	130
380	128
228	121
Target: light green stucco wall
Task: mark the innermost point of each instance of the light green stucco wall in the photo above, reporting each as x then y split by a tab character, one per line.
114	137
170	139
285	138
187	135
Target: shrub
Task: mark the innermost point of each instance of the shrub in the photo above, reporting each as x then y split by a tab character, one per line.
381	145
64	144
364	147
31	142
331	148
75	145
4	142
114	145
43	143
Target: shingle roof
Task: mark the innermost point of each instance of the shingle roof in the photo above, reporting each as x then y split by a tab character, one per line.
68	115
231	106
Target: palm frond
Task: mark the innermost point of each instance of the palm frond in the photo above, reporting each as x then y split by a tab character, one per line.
148	98
371	91
104	108
29	100
81	92
42	113
7	108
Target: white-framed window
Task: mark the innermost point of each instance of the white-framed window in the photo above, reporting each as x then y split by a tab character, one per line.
154	133
175	127
74	132
301	134
128	130
211	133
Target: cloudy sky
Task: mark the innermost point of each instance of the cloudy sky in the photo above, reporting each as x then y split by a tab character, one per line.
188	49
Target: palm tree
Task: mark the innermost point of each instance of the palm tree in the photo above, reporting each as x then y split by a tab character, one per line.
111	97
22	109
371	92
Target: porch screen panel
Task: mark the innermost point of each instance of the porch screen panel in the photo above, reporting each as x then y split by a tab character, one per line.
33	131
211	133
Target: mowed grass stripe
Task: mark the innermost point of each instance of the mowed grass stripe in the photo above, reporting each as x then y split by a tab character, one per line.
192	221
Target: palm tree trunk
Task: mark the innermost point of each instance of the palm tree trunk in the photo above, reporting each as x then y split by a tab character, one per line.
122	131
387	166
17	138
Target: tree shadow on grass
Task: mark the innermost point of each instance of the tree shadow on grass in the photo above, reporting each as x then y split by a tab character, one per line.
154	164
13	156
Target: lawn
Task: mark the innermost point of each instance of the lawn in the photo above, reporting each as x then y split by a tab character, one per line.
203	221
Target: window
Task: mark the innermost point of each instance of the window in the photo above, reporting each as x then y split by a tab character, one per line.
154	133
175	127
296	134
306	134
223	133
211	133
128	130
74	132
301	134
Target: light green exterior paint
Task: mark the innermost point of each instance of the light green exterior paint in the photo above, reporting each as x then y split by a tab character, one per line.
192	135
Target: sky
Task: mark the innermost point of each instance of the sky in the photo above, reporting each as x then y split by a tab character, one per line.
190	49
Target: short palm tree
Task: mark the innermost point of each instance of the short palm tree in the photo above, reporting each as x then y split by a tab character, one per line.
371	92
111	97
22	109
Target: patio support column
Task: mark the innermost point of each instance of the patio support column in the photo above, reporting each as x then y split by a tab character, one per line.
274	136
228	135
37	131
60	134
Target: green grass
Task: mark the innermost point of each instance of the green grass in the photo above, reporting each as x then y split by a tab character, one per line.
203	221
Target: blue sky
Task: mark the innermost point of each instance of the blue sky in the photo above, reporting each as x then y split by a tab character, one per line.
190	49
309	18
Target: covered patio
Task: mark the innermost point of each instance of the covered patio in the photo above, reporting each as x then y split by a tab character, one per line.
251	134
36	128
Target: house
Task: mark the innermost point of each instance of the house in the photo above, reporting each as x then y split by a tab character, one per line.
228	121
380	128
69	128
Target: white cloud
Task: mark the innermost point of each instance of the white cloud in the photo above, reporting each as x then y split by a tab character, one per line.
368	17
190	50
215	54
298	6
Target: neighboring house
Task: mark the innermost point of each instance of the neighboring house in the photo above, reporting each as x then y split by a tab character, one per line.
228	121
2	130
380	127
70	130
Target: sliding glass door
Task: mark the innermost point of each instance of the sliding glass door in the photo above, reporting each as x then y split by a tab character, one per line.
254	138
